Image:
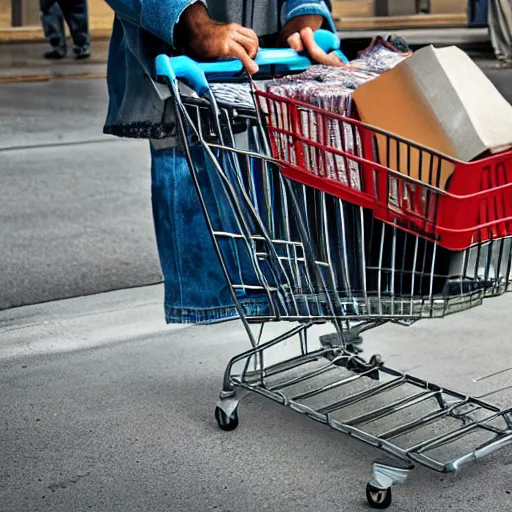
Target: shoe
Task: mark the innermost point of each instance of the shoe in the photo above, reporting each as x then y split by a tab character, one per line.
504	64
55	54
81	52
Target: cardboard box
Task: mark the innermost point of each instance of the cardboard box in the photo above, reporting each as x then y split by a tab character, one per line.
440	99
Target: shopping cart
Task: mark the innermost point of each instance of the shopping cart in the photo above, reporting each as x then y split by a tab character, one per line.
359	246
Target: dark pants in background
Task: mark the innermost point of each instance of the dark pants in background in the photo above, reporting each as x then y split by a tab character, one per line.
500	26
74	12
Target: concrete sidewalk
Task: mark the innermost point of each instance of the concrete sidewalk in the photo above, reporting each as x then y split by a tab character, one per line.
104	407
24	61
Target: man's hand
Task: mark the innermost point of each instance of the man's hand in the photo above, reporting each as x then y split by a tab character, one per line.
298	34
204	38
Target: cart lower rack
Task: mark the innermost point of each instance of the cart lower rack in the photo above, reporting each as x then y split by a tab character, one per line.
293	252
333	386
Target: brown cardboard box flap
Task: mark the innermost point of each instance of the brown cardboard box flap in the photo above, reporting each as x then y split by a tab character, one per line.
440	99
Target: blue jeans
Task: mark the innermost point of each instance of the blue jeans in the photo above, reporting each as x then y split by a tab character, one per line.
196	288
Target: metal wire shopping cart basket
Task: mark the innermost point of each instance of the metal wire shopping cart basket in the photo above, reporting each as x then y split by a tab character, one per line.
312	224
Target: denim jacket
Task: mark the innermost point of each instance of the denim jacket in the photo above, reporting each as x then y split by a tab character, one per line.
143	29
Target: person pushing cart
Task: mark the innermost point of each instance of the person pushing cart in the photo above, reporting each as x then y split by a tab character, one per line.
195	288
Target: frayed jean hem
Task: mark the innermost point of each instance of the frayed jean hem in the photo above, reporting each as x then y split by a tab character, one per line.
252	308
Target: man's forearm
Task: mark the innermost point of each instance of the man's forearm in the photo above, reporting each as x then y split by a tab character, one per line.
201	37
190	23
158	17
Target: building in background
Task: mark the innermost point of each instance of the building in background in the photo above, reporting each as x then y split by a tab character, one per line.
22	16
363	14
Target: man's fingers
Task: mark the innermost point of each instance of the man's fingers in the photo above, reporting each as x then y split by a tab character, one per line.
308	40
239	52
316	53
248	32
249	44
336	60
295	42
331	59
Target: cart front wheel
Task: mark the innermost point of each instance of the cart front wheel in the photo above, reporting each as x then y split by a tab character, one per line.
226	422
378	498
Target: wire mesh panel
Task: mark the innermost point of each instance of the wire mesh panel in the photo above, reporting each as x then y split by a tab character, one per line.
302	253
453	203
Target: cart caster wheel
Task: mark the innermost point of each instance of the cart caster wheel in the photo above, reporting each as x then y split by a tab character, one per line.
226	422
378	498
376	360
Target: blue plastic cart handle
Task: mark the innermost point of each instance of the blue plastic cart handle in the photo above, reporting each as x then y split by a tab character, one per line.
330	42
287	59
184	68
342	56
327	40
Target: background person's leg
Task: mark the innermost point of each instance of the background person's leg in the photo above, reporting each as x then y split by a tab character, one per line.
76	16
53	26
500	27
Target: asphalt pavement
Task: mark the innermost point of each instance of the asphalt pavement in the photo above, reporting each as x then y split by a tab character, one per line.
74	204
